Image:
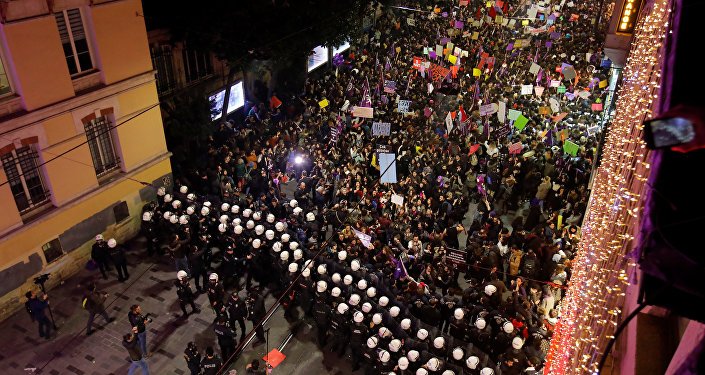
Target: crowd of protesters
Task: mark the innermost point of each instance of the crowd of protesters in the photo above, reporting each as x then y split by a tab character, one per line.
460	265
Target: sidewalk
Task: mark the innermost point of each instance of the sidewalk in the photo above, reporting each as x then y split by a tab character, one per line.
70	351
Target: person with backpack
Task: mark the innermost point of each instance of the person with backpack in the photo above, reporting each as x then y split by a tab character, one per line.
530	266
94	302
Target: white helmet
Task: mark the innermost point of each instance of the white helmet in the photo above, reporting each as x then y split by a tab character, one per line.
458	313
384	332
259	229
112	243
297	211
336	278
277	247
284	255
173	219
377	318
371	292
269	234
183	189
183	219
342	255
508	327
167	215
321	286
257	215
222	228
213	277
176	204
472	362
224	207
448	372
362	284
293	245
168	198
205	211
354	300
358	317
347	280
298	254
238	229
250	224
279	226
383	301
321	269
191	197
235	209
433	364
224	218
517	343
335	292
490	289
285	237
372	342
147	215
342	308
480	323
293	267
395	345
181	275
207	204
486	371
247	212
366	307
270	218
256	243
458	353
355	264
422	334
438	342
237	221
421	371
293	203
190	210
310	216
394	311
161	191
412	355
405	323
384	356
403	363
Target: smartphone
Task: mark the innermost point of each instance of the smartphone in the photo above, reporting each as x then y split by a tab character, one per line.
668	132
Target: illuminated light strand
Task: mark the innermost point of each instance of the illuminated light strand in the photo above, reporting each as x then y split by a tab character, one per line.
592	306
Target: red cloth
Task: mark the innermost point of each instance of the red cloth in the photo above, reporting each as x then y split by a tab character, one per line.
274	102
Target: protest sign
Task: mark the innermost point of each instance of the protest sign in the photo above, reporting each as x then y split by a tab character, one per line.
513	114
534	69
561	89
404	105
501	132
555	107
488	109
323	103
398	199
555	83
521	122
515	148
453	59
417	62
584	94
569	73
390	87
544	110
570	148
597	107
593	130
364	238
438	73
538	90
457	258
527	89
366	112
476	72
381	129
501	111
388	168
410	21
559	116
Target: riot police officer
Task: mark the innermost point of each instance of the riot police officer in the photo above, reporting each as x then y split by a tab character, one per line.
185	294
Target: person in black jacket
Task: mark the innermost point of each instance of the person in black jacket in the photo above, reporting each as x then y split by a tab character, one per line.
226	336
185	294
94	303
193	358
256	312
37	306
117	255
196	259
129	341
101	255
211	363
237	311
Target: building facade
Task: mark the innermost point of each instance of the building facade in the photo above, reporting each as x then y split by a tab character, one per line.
82	144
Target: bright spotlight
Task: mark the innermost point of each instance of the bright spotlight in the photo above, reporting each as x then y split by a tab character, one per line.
298	160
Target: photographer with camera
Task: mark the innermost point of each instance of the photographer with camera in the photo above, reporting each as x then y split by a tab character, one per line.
94	302
37	306
139	327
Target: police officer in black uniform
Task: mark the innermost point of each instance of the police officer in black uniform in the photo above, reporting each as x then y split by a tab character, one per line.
193	358
358	334
226	336
185	294
211	363
237	311
321	311
216	294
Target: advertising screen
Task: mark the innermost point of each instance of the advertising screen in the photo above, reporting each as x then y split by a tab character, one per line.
218	98
318	57
236	99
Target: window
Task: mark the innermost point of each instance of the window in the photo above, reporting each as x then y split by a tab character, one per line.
5	87
197	65
52	250
121	211
162	60
24	177
100	142
73	39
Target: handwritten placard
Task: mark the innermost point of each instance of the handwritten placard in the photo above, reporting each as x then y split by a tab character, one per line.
381	129
404	105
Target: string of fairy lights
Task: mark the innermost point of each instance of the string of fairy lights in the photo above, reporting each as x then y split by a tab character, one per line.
592	307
